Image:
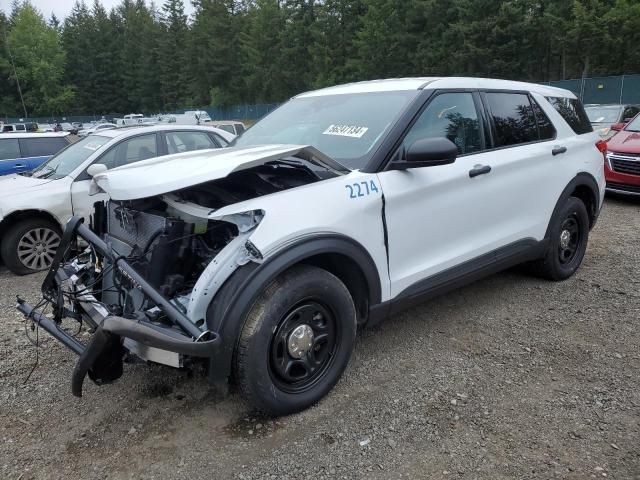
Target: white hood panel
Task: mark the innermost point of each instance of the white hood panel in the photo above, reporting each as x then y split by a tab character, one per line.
174	172
12	184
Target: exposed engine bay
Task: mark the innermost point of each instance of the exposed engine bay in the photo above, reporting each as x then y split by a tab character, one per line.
170	241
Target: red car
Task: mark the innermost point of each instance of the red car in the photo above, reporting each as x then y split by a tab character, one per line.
622	168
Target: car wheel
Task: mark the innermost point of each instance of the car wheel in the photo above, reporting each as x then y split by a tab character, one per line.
569	234
296	341
30	245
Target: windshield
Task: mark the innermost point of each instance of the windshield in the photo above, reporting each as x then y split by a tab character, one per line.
346	127
600	114
67	160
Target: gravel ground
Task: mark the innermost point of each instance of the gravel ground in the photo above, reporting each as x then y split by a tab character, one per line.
511	377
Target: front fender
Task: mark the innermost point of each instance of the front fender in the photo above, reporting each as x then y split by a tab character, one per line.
230	306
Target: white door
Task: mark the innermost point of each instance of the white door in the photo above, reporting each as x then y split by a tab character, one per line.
442	216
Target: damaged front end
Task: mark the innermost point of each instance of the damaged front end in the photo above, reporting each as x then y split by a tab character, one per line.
151	268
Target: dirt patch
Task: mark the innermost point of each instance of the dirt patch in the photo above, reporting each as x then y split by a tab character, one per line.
512	377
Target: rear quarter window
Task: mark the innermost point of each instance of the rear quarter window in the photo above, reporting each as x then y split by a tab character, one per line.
572	111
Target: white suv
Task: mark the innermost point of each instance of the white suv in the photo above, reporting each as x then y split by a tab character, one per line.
338	208
34	206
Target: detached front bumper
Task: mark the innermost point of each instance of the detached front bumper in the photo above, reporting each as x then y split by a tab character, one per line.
101	358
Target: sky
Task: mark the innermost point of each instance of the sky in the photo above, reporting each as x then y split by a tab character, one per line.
62	7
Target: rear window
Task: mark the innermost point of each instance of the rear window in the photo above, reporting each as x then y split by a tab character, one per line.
513	119
42	147
572	111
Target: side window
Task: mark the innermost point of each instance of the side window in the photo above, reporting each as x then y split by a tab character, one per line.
42	147
9	149
449	115
129	151
545	127
110	159
513	118
239	128
20	128
178	142
572	111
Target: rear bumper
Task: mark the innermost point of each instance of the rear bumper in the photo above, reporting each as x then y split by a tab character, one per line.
101	358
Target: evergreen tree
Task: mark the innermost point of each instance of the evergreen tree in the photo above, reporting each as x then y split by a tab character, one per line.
174	65
261	49
39	62
214	70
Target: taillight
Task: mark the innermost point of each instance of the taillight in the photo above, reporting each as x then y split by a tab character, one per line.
601	145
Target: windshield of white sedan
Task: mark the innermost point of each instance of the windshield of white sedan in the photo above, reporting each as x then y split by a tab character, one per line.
67	160
347	127
603	114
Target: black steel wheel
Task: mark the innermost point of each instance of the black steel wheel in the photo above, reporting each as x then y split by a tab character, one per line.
568	237
303	346
569	240
296	341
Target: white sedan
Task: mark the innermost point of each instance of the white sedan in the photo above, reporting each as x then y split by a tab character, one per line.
34	206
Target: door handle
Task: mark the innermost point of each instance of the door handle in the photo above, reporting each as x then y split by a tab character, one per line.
20	165
479	170
558	151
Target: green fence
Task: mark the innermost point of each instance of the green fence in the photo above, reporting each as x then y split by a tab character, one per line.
236	112
615	89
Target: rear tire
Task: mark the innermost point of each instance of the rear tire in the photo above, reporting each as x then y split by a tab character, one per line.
296	341
568	238
30	245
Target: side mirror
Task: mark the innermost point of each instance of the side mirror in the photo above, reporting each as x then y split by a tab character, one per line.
617	126
428	152
96	168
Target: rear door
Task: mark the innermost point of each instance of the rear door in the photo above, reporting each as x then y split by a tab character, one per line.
524	152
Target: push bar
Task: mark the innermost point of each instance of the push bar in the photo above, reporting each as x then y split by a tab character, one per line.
76	226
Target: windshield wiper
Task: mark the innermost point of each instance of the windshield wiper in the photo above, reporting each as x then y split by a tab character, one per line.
47	173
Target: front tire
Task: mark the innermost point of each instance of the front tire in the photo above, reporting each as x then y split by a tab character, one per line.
296	341
568	238
30	245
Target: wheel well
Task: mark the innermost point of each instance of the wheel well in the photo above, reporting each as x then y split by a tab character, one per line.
589	198
350	273
16	217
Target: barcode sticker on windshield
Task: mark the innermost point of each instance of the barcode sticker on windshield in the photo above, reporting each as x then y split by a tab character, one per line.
345	131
